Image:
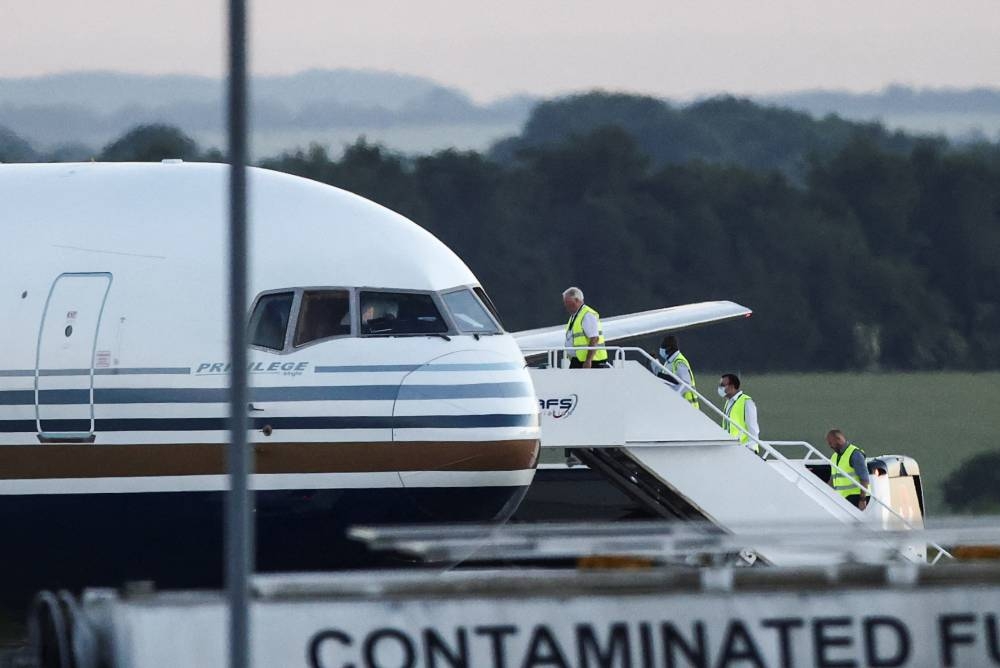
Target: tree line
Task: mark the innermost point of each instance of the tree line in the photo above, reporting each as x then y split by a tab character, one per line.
857	248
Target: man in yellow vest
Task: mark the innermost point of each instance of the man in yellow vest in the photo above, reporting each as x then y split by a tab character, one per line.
741	411
582	331
851	459
676	367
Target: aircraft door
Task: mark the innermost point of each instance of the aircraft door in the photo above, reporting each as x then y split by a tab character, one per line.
64	362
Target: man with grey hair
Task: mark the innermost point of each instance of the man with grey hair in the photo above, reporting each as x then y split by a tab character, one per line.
583	331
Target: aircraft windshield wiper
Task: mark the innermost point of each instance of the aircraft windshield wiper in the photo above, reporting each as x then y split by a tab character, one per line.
443	336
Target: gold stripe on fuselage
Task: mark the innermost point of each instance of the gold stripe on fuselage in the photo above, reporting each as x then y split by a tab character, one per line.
106	461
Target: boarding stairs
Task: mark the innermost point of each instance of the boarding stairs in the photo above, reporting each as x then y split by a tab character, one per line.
679	463
631	477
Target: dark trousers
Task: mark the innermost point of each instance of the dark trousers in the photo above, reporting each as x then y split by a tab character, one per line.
575	363
854	499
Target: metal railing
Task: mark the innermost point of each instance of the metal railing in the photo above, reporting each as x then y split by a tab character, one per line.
767	450
812	454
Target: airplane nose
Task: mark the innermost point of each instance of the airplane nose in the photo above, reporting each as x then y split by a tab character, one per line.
470	421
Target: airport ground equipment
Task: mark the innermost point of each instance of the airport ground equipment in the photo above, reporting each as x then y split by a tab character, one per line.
679	462
900	614
654	543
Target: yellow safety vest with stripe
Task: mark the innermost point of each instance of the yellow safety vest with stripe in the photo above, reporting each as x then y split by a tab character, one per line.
843	482
688	394
580	338
736	420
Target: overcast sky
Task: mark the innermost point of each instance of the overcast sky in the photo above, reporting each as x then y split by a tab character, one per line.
490	49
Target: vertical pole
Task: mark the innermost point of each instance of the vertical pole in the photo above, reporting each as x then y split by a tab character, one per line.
239	528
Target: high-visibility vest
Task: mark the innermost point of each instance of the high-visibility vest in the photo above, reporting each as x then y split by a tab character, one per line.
581	340
687	394
841	481
736	420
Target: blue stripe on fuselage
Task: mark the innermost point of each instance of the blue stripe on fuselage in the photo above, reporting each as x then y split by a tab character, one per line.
489	366
170	395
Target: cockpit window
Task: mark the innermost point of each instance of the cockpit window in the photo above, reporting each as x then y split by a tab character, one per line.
399	313
269	320
488	303
322	314
470	316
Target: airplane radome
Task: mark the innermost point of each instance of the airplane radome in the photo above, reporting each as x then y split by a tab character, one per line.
384	387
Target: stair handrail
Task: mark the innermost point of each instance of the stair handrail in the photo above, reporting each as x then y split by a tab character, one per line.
766	448
770	451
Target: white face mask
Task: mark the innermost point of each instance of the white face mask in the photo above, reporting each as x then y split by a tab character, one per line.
663	353
721	390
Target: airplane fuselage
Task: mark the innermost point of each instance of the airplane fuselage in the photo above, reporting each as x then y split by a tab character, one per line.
384	389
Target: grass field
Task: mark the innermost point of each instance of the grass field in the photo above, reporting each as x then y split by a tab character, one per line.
940	418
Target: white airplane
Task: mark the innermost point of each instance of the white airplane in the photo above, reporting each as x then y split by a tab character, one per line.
385	389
